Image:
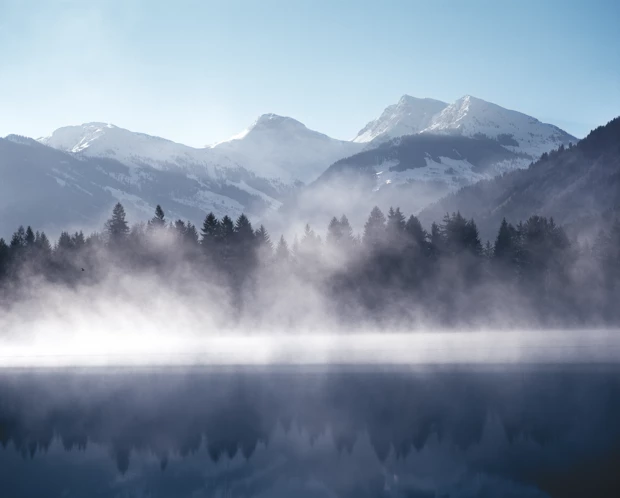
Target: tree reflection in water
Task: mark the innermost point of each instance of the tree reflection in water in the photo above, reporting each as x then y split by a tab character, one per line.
333	432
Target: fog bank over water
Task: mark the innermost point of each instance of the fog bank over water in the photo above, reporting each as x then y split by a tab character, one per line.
317	348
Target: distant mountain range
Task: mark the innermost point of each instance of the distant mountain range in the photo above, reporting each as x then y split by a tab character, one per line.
424	145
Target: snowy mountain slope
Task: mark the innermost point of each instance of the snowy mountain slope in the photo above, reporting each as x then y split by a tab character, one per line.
53	190
282	147
516	131
136	149
411	172
408	116
450	160
576	186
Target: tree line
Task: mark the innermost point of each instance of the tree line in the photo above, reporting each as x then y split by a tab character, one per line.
394	270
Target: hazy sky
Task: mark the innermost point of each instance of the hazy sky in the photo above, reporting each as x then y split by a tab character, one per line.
199	71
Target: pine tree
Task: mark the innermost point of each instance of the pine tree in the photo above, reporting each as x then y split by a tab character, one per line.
243	230
309	248
262	238
116	227
18	241
180	228
226	229
64	243
282	254
415	232
395	221
43	244
159	220
437	240
395	230
334	232
209	231
374	230
505	242
191	234
78	240
29	238
244	245
347	238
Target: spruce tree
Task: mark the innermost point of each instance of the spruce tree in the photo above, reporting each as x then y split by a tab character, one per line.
243	230
374	230
180	228
43	244
504	247
18	240
309	249
29	237
282	253
347	238
436	240
415	232
64	243
116	227
263	240
191	234
209	231
78	240
244	245
159	220
334	232
226	229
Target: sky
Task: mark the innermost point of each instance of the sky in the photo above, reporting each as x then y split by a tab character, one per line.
198	72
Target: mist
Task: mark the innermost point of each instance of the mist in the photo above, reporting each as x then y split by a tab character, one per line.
156	295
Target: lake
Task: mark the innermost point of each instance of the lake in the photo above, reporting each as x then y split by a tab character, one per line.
313	431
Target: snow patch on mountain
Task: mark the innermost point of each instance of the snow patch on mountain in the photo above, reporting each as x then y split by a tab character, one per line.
409	116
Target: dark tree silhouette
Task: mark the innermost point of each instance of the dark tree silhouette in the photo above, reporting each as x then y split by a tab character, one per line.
116	227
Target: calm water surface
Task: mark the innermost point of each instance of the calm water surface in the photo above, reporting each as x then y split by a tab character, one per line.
311	432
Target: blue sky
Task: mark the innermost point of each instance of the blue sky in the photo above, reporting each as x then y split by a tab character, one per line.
199	71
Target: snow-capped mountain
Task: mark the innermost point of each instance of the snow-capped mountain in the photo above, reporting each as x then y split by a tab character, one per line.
282	147
51	189
518	132
415	152
136	149
420	150
407	117
411	172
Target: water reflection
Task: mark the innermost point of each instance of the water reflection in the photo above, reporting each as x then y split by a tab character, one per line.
286	432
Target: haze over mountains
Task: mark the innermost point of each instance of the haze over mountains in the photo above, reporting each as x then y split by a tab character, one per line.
268	164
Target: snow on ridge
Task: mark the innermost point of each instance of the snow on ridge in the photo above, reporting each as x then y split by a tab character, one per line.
514	130
135	149
407	117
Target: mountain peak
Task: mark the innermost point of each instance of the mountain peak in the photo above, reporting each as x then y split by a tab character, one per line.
409	100
275	121
21	139
518	132
408	116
